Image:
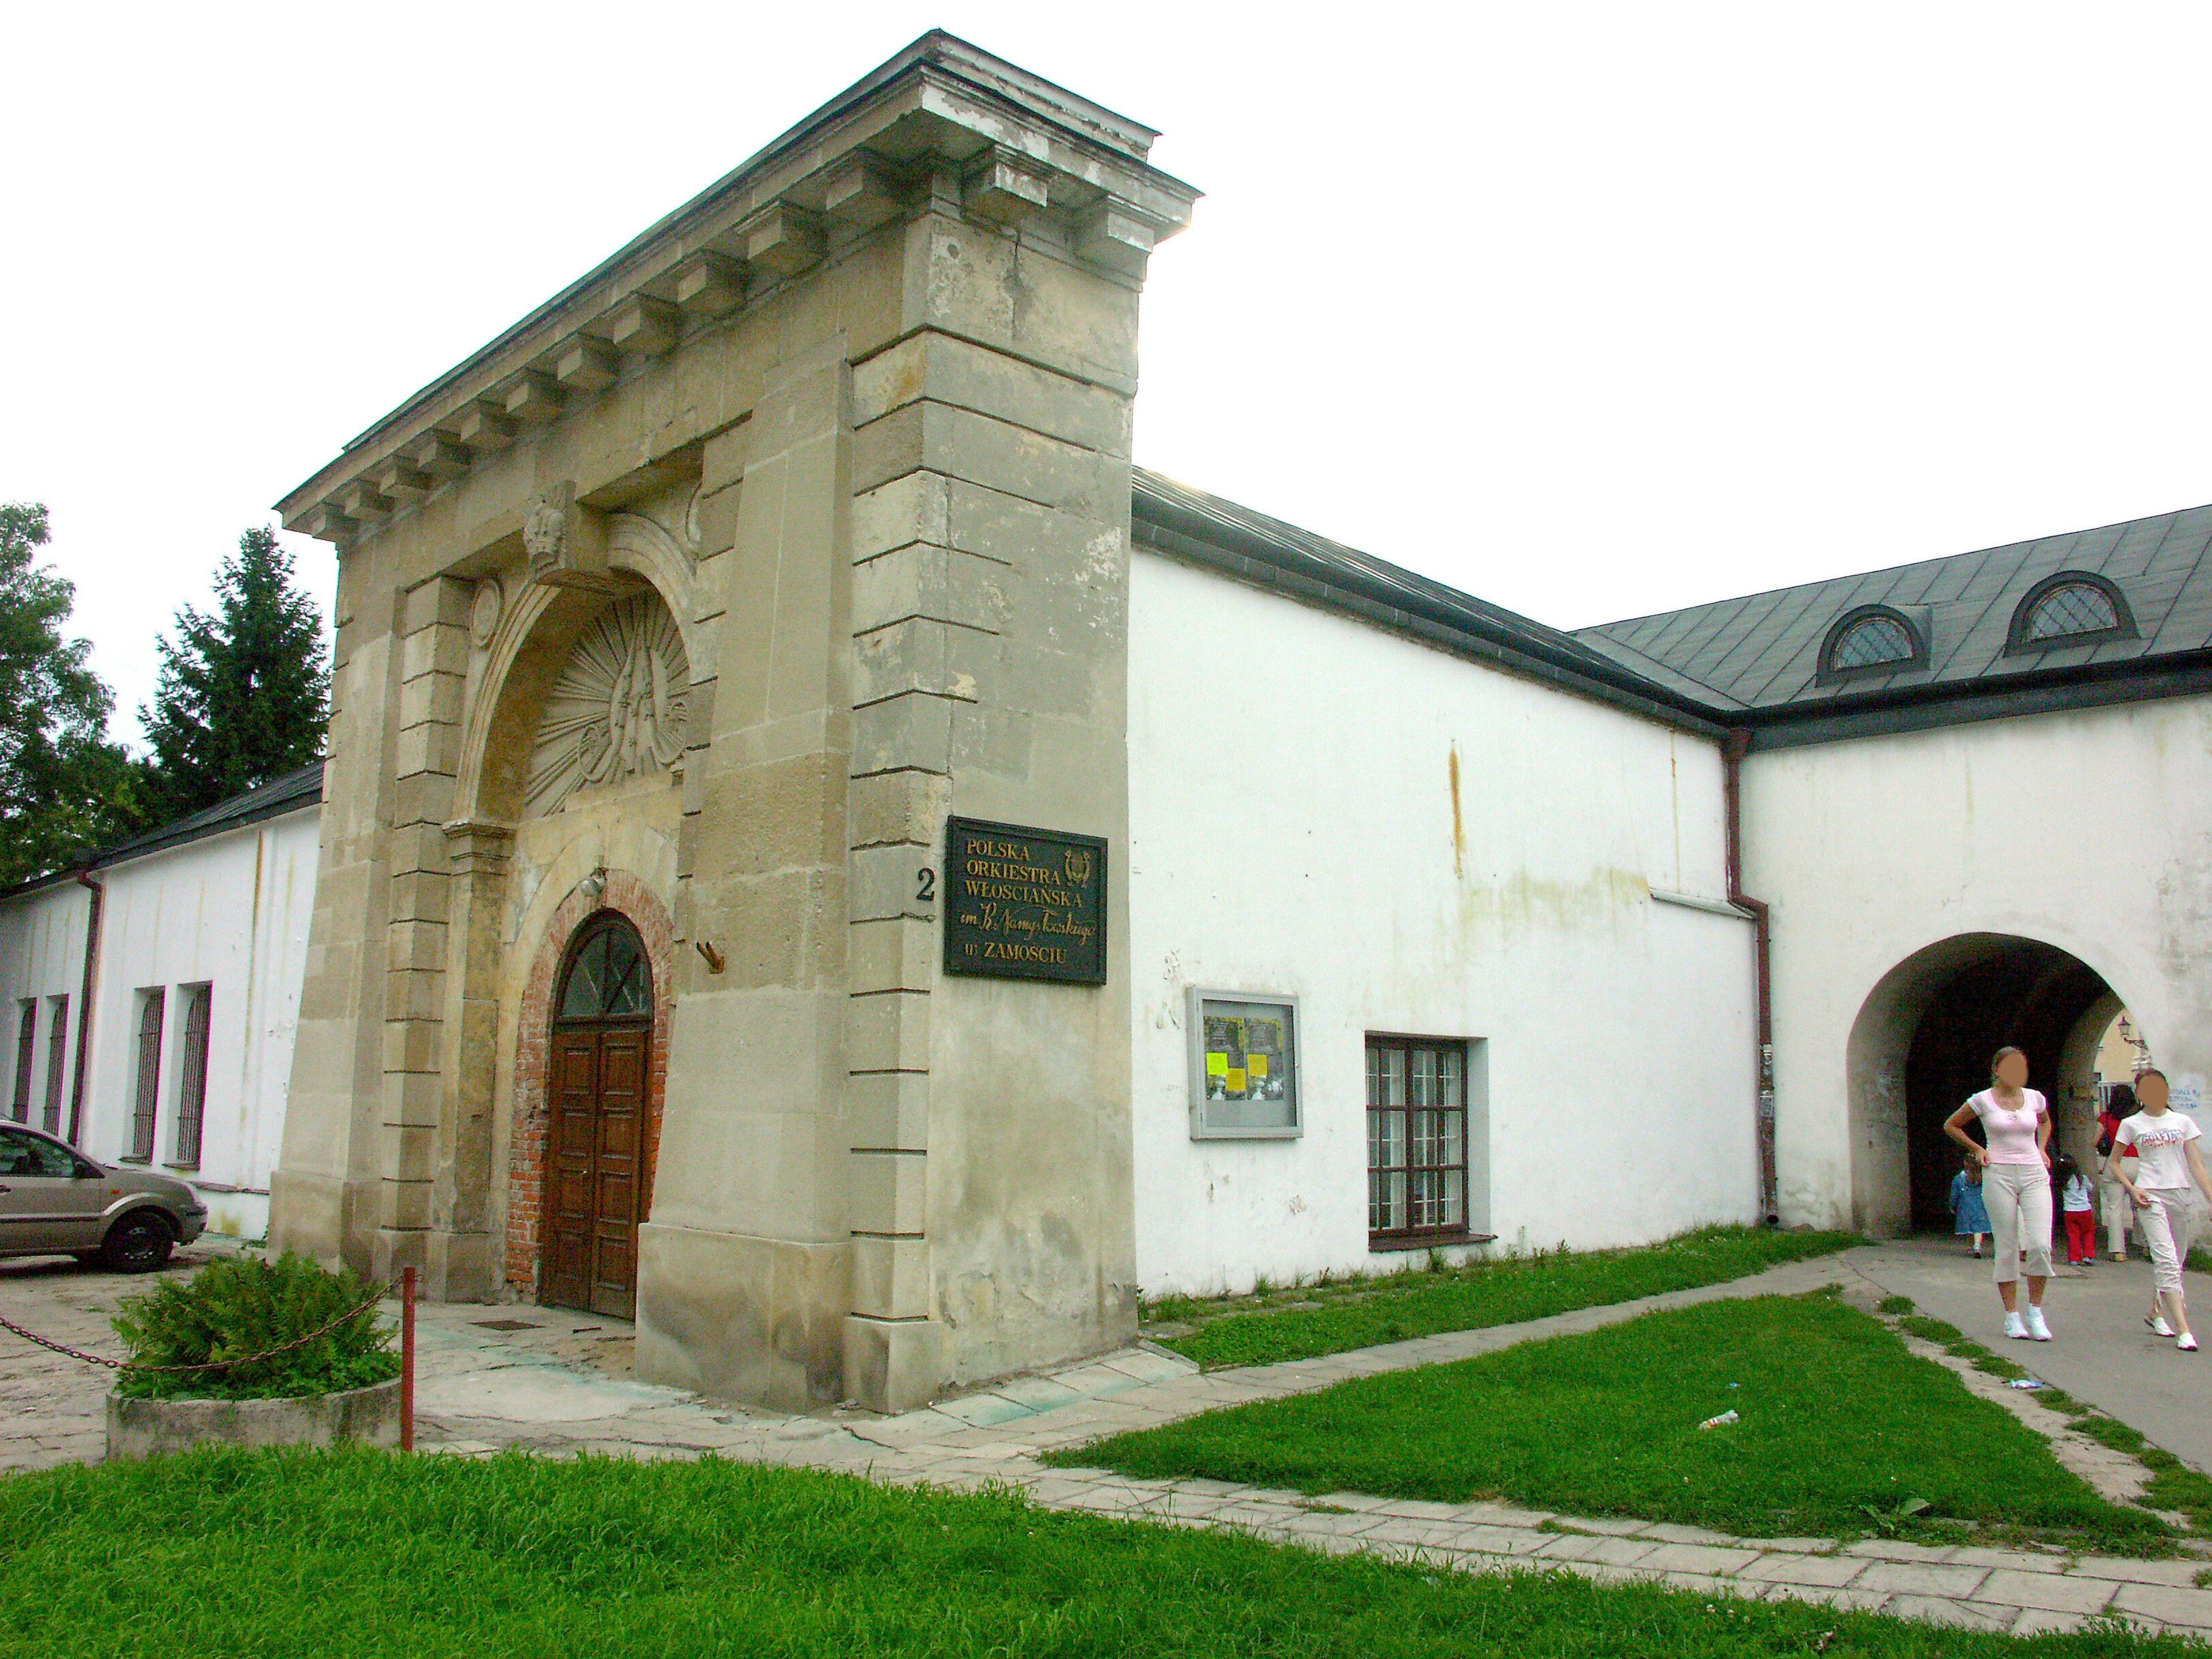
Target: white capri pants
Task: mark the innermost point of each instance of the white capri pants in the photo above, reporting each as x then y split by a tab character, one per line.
2169	1227
2117	1209
2019	1199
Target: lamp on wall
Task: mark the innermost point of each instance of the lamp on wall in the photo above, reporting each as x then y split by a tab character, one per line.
595	884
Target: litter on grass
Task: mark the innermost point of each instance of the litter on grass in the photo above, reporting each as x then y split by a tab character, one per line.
2026	1383
1717	1422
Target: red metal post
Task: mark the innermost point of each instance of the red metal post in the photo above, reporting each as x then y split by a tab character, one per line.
407	1359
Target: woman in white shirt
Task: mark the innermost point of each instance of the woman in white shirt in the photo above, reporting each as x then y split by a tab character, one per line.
2165	1166
2015	1185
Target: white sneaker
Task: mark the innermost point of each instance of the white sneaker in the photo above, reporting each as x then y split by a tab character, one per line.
2013	1327
2036	1327
2187	1344
2157	1325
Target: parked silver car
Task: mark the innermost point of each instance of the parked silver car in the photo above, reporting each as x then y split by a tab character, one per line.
54	1200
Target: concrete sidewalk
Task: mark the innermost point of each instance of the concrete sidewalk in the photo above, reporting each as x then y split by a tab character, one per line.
557	1382
2100	1351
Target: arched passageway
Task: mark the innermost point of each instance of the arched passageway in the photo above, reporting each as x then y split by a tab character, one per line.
1922	1044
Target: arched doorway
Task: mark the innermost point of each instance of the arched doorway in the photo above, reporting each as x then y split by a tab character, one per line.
595	1165
1922	1044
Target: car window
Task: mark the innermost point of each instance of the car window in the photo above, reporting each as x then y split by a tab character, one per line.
24	1154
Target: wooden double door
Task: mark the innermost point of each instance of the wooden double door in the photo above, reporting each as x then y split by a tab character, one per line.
596	1171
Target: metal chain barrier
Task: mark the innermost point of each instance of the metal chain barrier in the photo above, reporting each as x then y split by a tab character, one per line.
7	1324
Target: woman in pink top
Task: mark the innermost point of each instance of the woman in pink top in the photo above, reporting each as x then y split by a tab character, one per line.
2015	1184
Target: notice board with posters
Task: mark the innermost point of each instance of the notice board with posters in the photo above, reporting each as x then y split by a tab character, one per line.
1243	1066
1024	903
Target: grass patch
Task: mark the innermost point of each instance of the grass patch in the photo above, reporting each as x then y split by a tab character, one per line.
2174	1485
1841	1430
285	1554
1330	1318
1897	1304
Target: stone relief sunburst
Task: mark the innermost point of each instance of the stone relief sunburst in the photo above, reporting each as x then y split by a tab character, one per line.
618	709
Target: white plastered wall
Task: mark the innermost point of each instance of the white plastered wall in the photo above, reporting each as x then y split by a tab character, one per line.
2087	830
229	911
1292	831
41	958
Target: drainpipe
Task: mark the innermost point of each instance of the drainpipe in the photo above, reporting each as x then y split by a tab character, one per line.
84	1003
1732	753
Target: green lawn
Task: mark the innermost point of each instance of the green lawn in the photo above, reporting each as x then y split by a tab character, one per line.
1837	1418
364	1554
1358	1313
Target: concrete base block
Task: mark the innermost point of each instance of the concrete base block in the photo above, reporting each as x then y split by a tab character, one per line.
460	1268
324	1218
395	1247
893	1364
737	1318
144	1428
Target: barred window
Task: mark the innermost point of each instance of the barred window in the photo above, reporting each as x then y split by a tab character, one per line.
1872	642
146	1099
1416	1142
57	1060
191	1076
27	1054
2074	607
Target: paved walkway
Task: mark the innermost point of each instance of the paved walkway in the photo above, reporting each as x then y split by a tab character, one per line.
2101	1350
559	1383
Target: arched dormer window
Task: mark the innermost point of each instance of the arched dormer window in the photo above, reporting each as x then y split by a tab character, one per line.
2074	607
1875	639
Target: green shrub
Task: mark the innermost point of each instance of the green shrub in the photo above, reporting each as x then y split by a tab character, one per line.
235	1308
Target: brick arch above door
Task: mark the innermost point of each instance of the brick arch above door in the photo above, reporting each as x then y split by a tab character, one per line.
638	904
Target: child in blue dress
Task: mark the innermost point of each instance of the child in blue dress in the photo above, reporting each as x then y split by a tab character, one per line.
1968	1215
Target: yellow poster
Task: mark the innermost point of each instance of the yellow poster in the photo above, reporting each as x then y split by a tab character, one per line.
1257	1065
1236	1079
1217	1065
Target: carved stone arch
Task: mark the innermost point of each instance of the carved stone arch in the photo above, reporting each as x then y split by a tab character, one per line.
532	647
638	545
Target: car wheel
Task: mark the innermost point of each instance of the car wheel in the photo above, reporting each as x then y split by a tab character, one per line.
138	1243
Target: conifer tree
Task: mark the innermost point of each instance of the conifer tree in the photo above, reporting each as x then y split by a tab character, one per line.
242	694
64	789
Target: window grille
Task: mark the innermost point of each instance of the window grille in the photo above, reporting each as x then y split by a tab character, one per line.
2072	608
609	977
192	1082
1417	1164
57	1060
148	1097
1871	642
26	1050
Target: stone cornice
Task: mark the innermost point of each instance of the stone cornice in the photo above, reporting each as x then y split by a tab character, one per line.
941	125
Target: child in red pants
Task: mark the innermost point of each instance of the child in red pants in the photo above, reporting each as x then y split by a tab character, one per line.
2074	1204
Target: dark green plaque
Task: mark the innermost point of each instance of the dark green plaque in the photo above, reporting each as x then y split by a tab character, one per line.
1024	903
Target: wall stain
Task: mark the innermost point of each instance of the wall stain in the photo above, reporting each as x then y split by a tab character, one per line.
1459	835
1522	903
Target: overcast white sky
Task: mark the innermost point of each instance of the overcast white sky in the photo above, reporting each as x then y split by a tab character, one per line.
1592	309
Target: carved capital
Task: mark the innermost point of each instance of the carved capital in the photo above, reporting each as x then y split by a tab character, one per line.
479	847
567	542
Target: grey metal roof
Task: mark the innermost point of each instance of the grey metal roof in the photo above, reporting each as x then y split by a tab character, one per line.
1762	652
1753	663
1174	519
278	796
292	792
